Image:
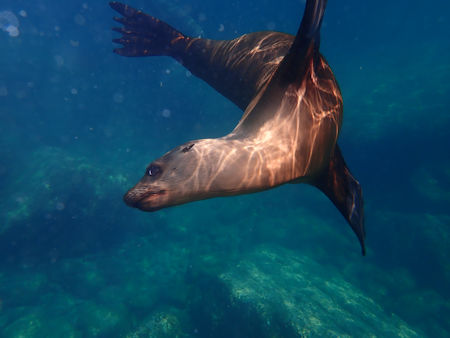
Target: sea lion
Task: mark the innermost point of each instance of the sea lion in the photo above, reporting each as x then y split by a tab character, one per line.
287	134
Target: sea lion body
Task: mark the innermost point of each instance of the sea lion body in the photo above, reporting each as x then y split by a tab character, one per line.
287	134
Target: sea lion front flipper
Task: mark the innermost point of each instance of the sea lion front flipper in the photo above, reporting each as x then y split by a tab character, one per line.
143	35
345	192
236	68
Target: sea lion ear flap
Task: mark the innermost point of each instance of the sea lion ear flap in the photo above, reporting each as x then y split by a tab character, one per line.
345	192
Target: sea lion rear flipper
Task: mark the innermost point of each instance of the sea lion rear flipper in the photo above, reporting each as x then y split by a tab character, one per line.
143	35
345	192
305	45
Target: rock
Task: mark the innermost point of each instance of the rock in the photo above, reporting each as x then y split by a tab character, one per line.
289	291
161	324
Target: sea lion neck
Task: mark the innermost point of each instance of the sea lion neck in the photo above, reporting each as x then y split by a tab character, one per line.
234	165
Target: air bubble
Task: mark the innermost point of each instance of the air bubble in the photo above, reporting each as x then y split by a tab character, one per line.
59	60
271	26
60	206
9	23
202	17
118	97
79	19
3	91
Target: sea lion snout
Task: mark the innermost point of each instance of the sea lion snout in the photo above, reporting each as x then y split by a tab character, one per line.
130	198
144	198
136	195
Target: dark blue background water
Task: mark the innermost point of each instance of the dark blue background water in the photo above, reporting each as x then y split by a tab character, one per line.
79	124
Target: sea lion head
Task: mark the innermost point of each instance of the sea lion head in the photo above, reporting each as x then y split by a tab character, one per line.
173	179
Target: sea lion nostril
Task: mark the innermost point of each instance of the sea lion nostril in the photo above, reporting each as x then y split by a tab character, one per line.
130	199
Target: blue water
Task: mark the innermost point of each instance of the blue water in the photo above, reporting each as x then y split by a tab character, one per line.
79	124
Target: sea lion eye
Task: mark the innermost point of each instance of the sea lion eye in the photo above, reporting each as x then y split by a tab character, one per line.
153	170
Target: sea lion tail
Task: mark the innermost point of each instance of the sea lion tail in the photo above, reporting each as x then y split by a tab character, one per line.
345	192
305	46
312	20
144	35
